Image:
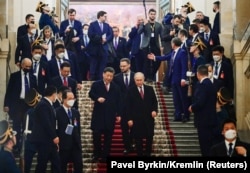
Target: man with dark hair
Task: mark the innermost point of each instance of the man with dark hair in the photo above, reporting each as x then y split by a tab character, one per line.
150	43
125	80
100	33
44	135
216	25
107	109
71	31
69	133
177	74
232	146
204	109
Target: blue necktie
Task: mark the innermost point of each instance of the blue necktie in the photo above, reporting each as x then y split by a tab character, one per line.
26	83
86	40
216	68
206	37
70	116
35	66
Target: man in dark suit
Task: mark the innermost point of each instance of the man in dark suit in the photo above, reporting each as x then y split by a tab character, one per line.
40	69
204	109
100	33
71	31
84	60
150	43
44	135
177	74
65	80
142	108
222	69
70	141
119	46
21	31
210	38
23	50
136	54
232	146
125	80
107	98
217	24
19	84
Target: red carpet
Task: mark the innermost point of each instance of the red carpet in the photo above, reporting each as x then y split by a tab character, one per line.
117	145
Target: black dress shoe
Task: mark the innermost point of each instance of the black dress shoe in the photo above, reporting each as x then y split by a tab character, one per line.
103	160
95	159
185	120
176	119
125	152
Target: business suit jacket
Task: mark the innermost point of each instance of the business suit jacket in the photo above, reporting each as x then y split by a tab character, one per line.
226	76
119	80
42	77
68	141
220	149
104	114
77	27
95	36
44	127
139	110
121	50
57	82
216	25
24	46
13	91
146	29
204	105
135	40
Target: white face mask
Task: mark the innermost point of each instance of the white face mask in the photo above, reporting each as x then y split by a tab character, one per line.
60	55
210	75
230	134
201	30
33	31
85	32
216	58
37	57
70	102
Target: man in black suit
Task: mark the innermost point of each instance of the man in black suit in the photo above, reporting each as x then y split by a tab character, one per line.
84	59
106	97
216	25
142	108
44	135
19	84
70	141
22	30
232	146
119	46
40	69
204	109
65	80
23	50
125	80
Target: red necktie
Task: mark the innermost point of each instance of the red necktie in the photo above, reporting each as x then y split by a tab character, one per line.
141	93
65	83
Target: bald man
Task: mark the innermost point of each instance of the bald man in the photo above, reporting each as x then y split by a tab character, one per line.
14	104
142	108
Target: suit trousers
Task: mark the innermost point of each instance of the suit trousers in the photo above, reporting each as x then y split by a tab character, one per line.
139	146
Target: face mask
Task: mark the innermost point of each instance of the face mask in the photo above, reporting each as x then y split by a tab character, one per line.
230	134
85	32
214	10
37	57
60	55
70	102
210	75
26	70
32	22
33	31
216	58
201	30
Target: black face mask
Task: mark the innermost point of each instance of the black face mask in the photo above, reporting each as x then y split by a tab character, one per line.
32	22
214	10
26	70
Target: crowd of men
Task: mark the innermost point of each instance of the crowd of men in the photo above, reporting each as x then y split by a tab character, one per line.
55	61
